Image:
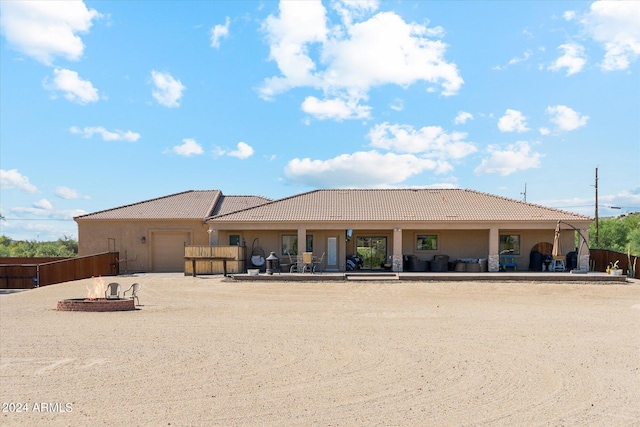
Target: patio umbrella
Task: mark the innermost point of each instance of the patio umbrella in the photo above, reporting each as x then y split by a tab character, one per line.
557	248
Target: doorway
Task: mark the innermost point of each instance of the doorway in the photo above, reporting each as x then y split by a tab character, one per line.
373	251
332	254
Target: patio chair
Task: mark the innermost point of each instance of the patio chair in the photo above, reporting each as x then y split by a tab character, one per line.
112	291
307	262
134	292
293	264
317	262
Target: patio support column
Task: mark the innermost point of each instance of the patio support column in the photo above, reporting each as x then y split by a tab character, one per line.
494	249
302	245
583	251
214	238
396	262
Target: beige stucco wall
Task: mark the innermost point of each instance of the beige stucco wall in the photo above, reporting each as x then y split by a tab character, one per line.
94	236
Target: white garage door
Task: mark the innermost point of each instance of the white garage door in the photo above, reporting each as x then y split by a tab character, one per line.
168	250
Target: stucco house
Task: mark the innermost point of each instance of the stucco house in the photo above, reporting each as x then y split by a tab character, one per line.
384	227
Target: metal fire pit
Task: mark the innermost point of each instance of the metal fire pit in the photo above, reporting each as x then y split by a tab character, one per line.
97	304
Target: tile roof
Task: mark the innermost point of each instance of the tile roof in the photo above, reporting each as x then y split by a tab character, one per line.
397	205
186	205
228	204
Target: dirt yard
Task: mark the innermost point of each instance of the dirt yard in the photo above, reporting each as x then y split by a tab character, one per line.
209	352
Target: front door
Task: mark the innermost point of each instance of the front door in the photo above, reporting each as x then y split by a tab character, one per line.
373	251
332	253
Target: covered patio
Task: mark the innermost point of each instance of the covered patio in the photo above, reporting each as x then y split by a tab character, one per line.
400	230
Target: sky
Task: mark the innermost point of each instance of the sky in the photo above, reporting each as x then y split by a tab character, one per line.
108	103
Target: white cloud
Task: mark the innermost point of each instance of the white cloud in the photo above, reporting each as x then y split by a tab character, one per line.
299	24
348	10
516	157
361	169
348	54
116	135
218	151
219	32
243	151
337	109
43	204
462	118
430	141
526	55
168	90
74	88
615	25
565	118
47	212
544	131
13	179
569	15
189	148
47	29
69	193
397	105
512	121
573	59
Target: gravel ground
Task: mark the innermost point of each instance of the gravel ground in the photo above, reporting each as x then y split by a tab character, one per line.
208	351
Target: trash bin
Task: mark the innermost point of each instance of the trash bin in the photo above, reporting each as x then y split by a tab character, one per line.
535	261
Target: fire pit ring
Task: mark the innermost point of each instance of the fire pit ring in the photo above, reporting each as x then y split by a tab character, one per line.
97	304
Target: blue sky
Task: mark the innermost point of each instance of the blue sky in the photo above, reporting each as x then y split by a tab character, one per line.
108	103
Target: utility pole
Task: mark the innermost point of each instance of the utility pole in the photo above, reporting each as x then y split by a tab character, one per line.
597	220
525	192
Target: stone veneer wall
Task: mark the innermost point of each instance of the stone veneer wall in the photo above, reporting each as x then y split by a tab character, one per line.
494	263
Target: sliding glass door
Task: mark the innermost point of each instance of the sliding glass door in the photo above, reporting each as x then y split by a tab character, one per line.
373	251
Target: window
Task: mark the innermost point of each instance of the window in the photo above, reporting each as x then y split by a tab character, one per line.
290	244
510	244
234	240
427	242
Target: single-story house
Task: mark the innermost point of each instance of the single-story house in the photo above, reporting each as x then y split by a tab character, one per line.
384	228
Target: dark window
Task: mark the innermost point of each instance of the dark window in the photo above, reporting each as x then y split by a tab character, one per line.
510	244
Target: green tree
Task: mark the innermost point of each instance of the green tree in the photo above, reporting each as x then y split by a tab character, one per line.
63	247
617	234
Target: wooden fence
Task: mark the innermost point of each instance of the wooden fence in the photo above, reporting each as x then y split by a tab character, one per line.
206	262
25	276
600	259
